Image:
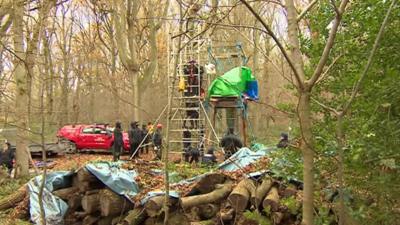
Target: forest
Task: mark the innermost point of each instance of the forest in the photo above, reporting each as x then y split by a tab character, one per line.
198	112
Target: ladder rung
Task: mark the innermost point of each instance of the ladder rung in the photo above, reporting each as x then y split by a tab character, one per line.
191	130
186	119
189	108
180	141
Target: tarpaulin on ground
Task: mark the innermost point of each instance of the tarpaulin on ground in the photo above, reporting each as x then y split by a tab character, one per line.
235	82
151	194
241	158
54	207
121	181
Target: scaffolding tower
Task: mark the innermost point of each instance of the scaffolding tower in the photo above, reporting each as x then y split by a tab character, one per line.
188	123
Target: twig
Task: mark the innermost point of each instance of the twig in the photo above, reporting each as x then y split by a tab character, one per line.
306	10
278	43
329	44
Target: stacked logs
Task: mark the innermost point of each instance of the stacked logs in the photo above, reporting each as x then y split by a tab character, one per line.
216	199
90	202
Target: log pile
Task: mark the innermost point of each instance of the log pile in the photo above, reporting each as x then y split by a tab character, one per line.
216	198
220	199
91	202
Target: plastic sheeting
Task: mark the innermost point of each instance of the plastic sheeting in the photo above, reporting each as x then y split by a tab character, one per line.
121	181
235	82
151	194
241	158
54	207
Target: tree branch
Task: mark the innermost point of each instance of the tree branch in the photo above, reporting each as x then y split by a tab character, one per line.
306	10
370	58
278	43
329	68
329	44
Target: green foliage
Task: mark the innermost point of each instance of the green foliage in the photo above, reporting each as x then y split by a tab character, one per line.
287	163
256	216
372	126
291	203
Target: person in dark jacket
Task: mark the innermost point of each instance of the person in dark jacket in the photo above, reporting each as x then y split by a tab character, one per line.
118	141
6	157
135	137
231	143
187	135
209	158
145	139
284	141
194	155
157	141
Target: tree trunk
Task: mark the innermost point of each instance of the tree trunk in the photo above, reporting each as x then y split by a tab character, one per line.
207	183
135	217
65	193
260	192
240	196
21	95
13	199
113	204
153	206
272	200
90	203
308	157
84	175
341	144
219	193
136	95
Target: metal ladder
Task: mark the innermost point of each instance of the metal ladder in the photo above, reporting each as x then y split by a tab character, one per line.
187	113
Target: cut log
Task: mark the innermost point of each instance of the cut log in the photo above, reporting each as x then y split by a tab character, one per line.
208	211
65	193
80	215
240	196
277	217
153	206
272	200
289	191
91	203
84	175
207	183
260	192
74	202
220	192
112	204
105	220
91	192
13	199
227	214
90	219
135	217
88	186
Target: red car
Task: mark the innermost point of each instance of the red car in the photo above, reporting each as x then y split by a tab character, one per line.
91	137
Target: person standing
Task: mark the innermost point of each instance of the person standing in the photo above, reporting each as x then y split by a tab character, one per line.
118	141
145	139
284	141
6	157
135	137
157	141
230	143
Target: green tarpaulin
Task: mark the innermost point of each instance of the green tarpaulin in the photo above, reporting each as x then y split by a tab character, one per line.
232	83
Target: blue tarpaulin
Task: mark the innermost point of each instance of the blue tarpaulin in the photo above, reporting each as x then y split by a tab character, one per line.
54	207
121	181
241	158
151	194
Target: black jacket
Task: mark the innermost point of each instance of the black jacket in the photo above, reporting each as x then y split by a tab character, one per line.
6	157
118	141
135	135
231	142
157	138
